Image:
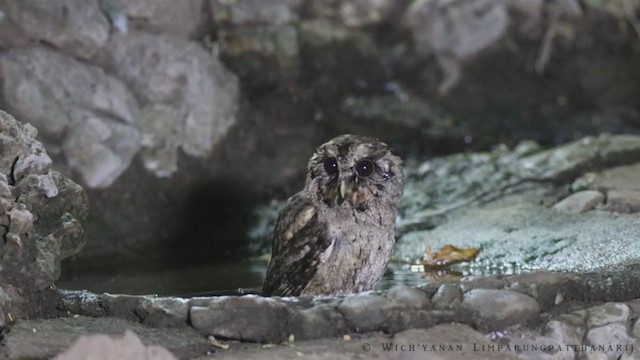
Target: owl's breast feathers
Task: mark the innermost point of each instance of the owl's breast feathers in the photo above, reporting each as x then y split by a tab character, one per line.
299	246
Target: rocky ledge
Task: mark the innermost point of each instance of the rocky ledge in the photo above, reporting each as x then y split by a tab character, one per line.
538	315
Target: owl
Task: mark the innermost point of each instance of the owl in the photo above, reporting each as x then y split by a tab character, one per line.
336	235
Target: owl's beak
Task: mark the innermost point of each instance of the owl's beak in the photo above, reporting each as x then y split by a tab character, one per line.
346	188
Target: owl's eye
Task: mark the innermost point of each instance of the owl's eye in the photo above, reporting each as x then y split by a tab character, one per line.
330	166
365	167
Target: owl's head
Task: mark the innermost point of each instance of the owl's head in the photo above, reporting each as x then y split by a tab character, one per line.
356	169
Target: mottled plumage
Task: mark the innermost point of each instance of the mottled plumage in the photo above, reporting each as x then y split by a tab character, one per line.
337	234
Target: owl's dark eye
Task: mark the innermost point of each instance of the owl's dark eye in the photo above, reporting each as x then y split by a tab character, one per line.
330	166
365	167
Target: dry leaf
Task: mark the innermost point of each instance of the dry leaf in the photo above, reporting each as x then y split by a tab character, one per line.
449	255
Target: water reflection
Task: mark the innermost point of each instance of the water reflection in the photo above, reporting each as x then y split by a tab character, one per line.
239	278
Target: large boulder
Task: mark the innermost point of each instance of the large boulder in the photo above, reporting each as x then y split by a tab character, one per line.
42	217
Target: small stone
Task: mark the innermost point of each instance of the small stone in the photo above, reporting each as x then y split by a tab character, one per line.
319	321
614	338
408	296
564	332
497	309
249	318
164	312
543	286
448	295
363	312
481	282
580	202
607	314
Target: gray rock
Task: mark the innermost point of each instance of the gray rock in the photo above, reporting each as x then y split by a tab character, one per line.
448	295
636	328
612	340
363	312
164	312
408	296
449	341
623	201
83	113
185	18
498	309
481	282
193	92
579	156
77	27
42	213
45	338
248	318
455	31
544	286
580	202
607	314
530	345
565	332
319	321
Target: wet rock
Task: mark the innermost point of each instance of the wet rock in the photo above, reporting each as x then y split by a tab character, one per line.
42	213
581	156
248	318
623	201
45	338
126	347
408	296
607	314
76	27
319	321
164	312
86	116
580	202
178	82
612	340
497	309
565	332
544	286
447	296
185	18
363	312
481	282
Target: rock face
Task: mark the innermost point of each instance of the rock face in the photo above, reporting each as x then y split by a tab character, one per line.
189	99
74	26
42	215
88	117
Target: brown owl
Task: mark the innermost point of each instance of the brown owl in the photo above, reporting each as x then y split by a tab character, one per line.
337	234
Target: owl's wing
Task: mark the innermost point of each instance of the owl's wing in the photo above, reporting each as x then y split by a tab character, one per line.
299	242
